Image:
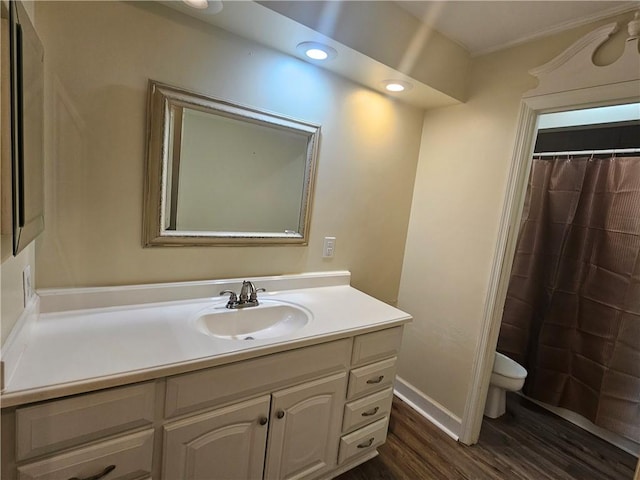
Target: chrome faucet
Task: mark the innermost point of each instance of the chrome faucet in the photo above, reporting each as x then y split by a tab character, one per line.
248	296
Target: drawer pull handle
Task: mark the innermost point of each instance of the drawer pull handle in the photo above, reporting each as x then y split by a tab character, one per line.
367	444
263	420
371	412
375	380
280	414
97	476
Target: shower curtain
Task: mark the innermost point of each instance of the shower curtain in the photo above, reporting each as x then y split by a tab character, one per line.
572	313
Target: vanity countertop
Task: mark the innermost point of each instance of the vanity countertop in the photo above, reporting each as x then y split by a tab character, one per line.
75	351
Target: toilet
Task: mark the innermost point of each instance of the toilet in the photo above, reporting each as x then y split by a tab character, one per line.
507	375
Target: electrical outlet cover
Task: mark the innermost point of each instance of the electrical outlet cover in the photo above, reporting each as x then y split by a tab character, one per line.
328	247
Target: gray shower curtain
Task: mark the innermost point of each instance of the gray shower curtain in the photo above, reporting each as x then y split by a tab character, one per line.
572	313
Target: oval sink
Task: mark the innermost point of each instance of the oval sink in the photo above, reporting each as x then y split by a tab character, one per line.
268	320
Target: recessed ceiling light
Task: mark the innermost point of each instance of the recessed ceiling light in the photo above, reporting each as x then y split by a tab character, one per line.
316	51
316	54
199	4
210	7
396	85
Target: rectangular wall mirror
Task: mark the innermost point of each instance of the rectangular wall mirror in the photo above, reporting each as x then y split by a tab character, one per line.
225	174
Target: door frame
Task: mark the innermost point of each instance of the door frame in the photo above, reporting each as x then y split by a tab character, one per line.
543	99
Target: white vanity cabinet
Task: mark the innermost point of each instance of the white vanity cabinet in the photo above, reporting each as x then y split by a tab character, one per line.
301	422
299	410
306	413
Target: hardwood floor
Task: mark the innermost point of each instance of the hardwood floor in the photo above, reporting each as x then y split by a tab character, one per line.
527	443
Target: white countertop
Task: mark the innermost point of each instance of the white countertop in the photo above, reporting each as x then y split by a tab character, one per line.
75	351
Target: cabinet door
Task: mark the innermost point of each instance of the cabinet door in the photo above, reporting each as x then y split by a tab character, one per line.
305	428
225	444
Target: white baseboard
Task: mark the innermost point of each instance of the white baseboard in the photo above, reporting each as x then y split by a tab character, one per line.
428	408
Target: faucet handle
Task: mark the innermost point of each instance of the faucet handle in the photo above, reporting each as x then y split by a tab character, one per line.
254	294
232	295
233	298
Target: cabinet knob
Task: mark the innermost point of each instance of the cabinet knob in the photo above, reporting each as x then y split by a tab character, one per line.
97	476
378	379
263	420
280	413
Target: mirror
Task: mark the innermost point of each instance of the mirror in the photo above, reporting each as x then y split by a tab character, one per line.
26	79
225	174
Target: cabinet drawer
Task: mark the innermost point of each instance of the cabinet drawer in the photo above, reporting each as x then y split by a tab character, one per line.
363	440
367	409
59	424
376	345
195	391
131	455
371	377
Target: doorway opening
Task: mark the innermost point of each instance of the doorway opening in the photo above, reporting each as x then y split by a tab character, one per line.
572	310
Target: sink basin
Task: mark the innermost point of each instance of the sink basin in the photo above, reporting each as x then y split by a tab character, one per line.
270	319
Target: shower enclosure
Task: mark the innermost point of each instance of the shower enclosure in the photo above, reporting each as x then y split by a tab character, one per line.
572	312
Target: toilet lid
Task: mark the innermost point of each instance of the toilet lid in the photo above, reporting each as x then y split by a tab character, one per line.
509	368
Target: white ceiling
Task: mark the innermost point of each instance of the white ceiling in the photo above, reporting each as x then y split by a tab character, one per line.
484	26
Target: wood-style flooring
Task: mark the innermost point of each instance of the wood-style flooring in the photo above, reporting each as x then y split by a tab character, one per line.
527	443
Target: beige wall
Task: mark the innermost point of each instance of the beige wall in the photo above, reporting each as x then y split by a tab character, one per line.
458	196
100	56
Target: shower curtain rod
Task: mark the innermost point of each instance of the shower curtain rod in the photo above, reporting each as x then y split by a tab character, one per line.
588	152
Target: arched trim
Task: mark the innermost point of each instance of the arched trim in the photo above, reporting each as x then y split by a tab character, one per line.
574	69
